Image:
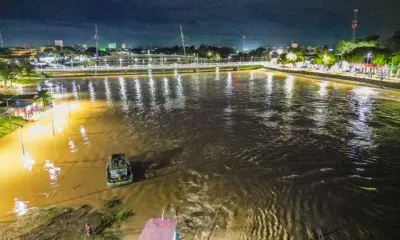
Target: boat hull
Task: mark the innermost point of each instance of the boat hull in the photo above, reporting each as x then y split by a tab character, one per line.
119	183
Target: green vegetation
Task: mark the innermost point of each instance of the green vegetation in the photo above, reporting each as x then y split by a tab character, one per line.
250	67
5	125
12	71
45	97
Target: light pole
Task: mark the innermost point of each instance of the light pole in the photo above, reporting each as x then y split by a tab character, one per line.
105	62
368	57
20	136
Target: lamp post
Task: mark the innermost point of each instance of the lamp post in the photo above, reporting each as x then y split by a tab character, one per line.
20	136
368	57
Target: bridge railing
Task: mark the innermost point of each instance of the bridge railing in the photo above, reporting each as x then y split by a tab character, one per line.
147	67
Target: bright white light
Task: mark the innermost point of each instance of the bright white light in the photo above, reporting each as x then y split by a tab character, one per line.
138	92
291	56
251	75
53	171
27	162
92	93
122	94
75	90
363	91
166	88
289	86
107	91
322	88
20	206
85	138
72	146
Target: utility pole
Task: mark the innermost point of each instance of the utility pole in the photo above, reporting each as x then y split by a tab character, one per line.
1	40
183	42
96	36
354	25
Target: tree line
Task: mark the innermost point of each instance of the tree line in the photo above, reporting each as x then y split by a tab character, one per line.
371	49
11	70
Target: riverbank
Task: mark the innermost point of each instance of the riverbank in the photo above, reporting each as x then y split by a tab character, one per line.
68	223
375	82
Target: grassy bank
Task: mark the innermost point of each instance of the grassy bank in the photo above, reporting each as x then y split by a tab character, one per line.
69	223
250	67
5	125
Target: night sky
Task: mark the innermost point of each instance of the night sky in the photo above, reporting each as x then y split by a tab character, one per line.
218	22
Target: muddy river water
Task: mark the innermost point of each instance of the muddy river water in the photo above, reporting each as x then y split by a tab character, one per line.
249	155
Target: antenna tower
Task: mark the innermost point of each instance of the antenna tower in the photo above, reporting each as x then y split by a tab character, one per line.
1	40
96	36
183	42
354	25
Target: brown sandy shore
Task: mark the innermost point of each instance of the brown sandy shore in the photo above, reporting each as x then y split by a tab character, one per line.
68	223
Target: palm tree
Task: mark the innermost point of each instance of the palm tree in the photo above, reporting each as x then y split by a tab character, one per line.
45	97
5	72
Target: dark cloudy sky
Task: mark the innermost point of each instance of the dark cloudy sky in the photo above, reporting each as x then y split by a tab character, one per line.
139	22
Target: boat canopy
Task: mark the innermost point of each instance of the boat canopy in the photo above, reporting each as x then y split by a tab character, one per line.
159	229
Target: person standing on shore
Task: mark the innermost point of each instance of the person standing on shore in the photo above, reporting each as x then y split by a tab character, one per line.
88	230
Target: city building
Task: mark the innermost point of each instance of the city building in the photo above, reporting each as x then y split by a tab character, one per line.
23	106
295	44
59	43
123	45
47	47
112	45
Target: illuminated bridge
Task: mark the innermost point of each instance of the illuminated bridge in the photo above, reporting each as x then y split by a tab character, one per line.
151	67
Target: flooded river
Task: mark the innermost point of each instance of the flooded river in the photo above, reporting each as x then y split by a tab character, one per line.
250	155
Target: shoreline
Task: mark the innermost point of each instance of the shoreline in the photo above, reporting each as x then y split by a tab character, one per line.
383	84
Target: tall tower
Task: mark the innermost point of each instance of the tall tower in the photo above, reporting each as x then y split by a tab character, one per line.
243	42
354	25
96	36
183	42
1	40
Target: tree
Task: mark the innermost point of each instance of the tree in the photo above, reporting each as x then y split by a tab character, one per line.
27	68
5	72
379	59
329	59
45	97
347	46
283	59
394	42
355	56
396	63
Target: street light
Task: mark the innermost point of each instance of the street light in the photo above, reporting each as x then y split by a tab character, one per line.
368	57
20	136
291	56
326	58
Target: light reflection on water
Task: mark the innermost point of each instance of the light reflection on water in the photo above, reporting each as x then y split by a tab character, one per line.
92	91
20	206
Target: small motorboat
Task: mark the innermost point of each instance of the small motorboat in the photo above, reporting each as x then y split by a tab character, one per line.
160	229
118	170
